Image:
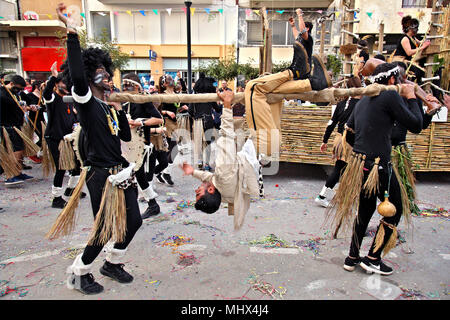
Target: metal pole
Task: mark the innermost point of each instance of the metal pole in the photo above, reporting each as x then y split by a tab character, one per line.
188	21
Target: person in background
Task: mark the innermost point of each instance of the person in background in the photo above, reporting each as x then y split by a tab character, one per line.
340	116
34	98
28	87
303	36
409	45
112	87
12	110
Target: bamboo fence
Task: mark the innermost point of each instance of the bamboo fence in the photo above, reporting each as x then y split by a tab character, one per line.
303	128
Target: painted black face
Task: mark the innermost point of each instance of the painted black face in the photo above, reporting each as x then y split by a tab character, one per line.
16	89
102	78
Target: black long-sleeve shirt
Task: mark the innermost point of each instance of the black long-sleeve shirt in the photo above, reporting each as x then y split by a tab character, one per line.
144	110
399	131
373	120
10	113
60	115
103	147
340	116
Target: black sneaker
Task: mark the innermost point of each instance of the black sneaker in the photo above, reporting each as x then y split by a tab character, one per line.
350	263
320	79
13	181
85	284
160	178
376	266
58	202
168	179
25	177
116	272
68	193
300	66
152	209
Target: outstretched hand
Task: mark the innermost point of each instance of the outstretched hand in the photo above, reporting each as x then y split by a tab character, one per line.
54	69
59	10
227	97
187	169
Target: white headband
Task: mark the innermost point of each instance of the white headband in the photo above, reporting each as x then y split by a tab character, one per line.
133	82
387	74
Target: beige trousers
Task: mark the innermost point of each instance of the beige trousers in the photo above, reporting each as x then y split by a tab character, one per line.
264	119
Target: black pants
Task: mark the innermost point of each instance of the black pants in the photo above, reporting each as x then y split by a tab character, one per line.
38	129
333	178
141	176
16	140
53	145
367	206
163	162
95	182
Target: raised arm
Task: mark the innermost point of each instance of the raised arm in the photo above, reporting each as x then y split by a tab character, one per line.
410	116
301	24
75	62
48	90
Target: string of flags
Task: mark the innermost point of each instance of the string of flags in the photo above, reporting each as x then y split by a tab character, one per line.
35	16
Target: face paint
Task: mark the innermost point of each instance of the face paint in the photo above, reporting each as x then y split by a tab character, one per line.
62	90
101	79
16	90
98	78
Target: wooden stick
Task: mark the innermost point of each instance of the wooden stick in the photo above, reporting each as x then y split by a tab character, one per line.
326	95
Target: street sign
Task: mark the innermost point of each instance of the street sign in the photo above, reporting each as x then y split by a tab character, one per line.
152	55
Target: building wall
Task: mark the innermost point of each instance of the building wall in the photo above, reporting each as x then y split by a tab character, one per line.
387	11
212	36
45	7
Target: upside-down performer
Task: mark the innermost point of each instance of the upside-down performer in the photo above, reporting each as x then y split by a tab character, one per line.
236	174
116	210
370	174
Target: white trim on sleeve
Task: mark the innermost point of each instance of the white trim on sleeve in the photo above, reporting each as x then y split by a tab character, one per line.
82	99
51	100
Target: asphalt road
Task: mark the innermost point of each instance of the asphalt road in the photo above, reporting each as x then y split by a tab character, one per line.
216	262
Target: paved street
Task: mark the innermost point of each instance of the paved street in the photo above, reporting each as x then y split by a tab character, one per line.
212	261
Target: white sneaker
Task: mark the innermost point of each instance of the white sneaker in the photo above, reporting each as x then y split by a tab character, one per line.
322	202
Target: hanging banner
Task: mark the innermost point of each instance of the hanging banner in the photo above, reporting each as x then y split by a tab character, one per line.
369	14
192	11
207	10
221	10
256	11
169	11
143	12
129	12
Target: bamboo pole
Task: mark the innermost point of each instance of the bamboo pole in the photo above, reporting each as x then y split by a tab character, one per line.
326	95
